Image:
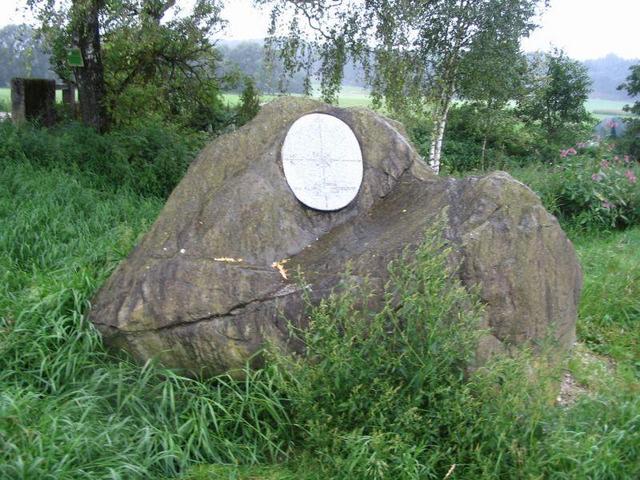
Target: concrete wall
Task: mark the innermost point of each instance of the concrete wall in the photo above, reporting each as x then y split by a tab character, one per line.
33	99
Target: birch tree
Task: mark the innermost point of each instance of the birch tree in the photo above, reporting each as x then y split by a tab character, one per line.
413	51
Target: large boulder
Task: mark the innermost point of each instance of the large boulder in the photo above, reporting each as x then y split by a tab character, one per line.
209	283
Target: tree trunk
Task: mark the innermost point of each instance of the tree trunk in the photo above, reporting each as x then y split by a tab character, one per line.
437	136
484	151
90	78
432	147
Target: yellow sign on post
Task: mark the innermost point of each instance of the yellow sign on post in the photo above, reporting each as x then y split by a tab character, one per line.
74	57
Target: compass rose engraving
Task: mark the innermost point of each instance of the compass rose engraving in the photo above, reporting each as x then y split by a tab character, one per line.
322	162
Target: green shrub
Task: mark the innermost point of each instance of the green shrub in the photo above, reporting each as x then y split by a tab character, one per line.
249	102
506	141
603	192
471	145
148	158
419	128
379	389
589	187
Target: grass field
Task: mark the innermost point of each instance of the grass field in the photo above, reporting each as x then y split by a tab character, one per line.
349	97
5	99
606	108
71	209
358	97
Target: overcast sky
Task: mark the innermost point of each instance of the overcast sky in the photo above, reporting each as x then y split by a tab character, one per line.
584	28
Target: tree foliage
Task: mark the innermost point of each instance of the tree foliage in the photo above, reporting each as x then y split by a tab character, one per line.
556	91
632	87
163	64
631	140
249	102
22	54
155	57
492	75
414	52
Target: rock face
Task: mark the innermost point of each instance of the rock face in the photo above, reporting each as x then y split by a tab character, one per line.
208	283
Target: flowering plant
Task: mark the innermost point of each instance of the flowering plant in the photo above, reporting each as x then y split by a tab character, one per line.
599	191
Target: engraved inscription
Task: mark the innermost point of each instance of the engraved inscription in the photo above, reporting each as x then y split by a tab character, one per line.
322	162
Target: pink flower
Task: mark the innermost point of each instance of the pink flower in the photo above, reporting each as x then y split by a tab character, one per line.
631	176
626	159
604	164
606	204
596	177
563	153
616	159
572	151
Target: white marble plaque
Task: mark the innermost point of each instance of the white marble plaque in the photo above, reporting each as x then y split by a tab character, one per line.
322	162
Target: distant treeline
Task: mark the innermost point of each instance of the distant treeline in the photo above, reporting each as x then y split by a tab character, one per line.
248	57
607	73
22	54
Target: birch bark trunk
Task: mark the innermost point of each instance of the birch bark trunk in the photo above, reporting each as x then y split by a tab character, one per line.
437	137
484	152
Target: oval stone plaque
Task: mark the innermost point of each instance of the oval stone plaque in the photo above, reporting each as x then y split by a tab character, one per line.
322	162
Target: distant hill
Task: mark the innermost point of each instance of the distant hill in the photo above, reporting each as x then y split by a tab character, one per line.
607	73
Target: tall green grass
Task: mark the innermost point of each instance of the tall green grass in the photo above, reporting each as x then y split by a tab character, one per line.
384	393
68	409
610	307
